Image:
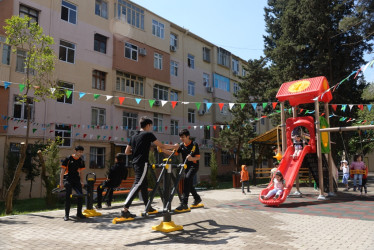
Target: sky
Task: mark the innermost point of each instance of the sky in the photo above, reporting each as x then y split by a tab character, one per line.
237	25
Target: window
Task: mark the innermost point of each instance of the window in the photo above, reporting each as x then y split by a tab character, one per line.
64	132
130	84
191	61
131	51
224	110
97	116
98	80
100	43
225	158
173	95
158	29
157	122
236	88
63	86
235	65
173	40
262	121
191	116
158	61
205	105
207	157
67	52
19	110
206	133
223	57
244	72
191	88
129	120
221	82
27	11
131	14
174	127
69	12
21	60
6	54
160	92
97	157
206	54
206	81
101	8
173	68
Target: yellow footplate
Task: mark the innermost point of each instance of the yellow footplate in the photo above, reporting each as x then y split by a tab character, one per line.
197	206
121	219
167	227
182	211
91	213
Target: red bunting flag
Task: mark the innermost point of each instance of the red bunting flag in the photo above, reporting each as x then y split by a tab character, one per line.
173	103
121	99
189	127
116	127
109	138
274	104
51	131
334	106
79	125
214	127
221	105
360	106
166	128
264	116
301	110
84	135
15	128
364	122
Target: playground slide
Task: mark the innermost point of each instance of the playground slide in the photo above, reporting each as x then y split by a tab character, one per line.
289	169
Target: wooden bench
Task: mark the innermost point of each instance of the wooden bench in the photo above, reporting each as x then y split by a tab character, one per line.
122	189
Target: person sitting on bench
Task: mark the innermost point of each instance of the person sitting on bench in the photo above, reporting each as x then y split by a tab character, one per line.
117	173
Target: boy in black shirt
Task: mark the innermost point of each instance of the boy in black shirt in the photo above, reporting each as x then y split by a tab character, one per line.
190	151
117	173
139	147
71	177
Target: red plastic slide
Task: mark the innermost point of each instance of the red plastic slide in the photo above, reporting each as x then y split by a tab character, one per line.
289	168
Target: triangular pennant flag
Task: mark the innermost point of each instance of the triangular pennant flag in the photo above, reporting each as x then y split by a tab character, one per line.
208	105
264	105
6	84
84	135
228	126
53	90
214	127
344	106
163	103
121	99
109	138
369	107
104	137
108	97
98	137
5	127
186	103
194	127
166	128
360	106
96	96
198	105
208	127
242	105
201	127
274	104
138	100
221	105
21	87
173	103
231	105
254	105
334	106
350	107
151	102
15	128
33	130
222	126
68	93
76	134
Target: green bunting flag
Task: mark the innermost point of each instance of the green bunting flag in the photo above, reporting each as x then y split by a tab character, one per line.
68	93
96	96
198	105
264	105
151	102
21	87
208	127
242	105
33	130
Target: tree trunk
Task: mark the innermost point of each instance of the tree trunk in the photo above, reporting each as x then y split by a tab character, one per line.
30	189
13	185
47	184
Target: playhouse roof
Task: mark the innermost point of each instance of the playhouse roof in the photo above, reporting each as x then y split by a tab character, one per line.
304	91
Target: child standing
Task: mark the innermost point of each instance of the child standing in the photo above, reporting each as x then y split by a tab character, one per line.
364	181
344	166
244	178
298	145
357	164
278	183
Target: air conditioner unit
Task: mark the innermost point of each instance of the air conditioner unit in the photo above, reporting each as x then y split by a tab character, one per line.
201	112
131	133
142	51
209	89
157	103
235	73
173	48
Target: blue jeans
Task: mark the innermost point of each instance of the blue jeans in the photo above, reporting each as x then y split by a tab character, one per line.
359	176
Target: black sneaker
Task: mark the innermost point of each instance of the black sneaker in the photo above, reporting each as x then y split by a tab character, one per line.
127	214
196	202
81	216
98	206
66	217
276	197
108	205
181	207
151	210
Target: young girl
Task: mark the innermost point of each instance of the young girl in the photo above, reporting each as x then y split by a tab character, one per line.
298	144
357	164
344	166
278	183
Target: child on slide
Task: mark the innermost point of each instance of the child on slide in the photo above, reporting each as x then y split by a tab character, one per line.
298	144
278	183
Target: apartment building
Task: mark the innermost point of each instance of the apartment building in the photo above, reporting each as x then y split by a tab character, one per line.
118	61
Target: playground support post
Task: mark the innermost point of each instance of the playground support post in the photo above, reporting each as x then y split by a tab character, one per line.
331	181
319	151
294	115
283	126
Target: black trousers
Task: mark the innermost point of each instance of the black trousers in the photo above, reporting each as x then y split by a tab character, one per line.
69	186
188	185
109	186
140	183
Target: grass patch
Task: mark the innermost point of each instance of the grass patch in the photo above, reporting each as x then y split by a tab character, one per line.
30	206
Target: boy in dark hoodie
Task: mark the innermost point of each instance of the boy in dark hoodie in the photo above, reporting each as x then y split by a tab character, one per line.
117	173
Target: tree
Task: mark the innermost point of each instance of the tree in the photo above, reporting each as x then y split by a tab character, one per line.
213	168
253	88
26	35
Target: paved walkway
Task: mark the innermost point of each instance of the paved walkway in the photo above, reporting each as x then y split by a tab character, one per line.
229	219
